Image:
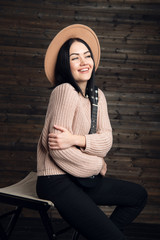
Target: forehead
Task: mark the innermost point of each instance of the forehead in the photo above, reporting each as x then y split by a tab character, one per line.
78	47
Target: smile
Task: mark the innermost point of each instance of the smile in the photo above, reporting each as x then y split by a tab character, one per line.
84	70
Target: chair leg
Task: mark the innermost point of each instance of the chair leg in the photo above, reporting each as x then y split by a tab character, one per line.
3	235
75	235
47	224
13	221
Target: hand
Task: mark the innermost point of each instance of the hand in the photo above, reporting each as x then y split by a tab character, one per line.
61	140
65	139
104	168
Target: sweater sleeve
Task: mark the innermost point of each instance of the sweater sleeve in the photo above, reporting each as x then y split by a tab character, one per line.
61	112
100	143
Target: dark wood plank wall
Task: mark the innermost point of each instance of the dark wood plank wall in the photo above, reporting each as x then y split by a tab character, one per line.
129	33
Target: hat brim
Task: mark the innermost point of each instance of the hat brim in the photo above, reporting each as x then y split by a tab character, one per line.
73	31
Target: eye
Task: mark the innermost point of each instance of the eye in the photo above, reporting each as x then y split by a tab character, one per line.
74	58
88	56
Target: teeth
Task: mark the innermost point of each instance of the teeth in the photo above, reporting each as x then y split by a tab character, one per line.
83	70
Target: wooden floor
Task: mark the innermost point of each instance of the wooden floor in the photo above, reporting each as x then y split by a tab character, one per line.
33	229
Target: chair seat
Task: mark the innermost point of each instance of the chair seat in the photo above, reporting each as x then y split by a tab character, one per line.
26	188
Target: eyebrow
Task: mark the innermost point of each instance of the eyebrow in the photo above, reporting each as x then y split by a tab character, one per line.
78	53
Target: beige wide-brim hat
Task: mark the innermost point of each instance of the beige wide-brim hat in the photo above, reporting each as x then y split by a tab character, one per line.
73	31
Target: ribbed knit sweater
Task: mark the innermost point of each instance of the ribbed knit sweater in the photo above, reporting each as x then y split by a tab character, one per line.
68	108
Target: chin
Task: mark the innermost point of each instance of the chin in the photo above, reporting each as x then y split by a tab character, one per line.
85	78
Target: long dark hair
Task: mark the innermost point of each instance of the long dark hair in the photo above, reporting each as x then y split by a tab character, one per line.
62	70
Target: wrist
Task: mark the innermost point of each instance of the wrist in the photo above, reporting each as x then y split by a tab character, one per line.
79	140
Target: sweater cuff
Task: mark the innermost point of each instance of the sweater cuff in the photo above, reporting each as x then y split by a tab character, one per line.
88	149
98	145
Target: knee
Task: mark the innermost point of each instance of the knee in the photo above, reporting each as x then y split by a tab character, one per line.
142	195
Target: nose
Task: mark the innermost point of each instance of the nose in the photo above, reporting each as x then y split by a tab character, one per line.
82	60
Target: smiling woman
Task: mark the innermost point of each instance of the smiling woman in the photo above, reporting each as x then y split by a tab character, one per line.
81	64
71	152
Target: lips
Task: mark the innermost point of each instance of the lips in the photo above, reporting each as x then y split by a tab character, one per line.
84	70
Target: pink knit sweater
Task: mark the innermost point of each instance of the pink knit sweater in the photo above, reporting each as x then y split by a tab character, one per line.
71	110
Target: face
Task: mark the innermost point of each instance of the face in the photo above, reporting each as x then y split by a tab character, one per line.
81	62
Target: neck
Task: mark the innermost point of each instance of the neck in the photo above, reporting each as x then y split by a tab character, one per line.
82	87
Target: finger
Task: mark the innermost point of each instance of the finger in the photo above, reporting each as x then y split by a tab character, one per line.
62	129
55	148
52	135
53	145
51	140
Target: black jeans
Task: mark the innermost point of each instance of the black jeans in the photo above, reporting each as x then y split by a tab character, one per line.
78	206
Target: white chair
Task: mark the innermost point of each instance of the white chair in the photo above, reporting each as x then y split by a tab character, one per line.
23	195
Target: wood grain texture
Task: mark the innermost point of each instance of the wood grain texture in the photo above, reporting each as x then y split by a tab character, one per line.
129	71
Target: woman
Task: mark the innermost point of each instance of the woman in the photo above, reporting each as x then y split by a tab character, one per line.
71	152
